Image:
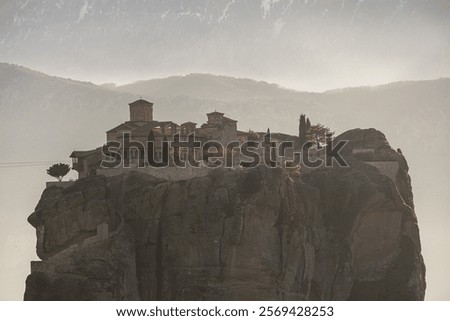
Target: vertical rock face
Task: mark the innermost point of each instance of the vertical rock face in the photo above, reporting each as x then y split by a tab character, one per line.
256	234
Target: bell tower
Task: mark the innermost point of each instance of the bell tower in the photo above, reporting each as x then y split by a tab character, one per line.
141	110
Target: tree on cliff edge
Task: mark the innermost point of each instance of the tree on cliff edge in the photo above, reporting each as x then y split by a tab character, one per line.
318	133
58	171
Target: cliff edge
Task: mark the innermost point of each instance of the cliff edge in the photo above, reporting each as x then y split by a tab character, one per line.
339	233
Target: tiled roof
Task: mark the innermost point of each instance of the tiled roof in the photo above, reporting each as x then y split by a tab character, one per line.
78	154
140	102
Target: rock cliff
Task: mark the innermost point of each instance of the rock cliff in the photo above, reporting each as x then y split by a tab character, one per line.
256	234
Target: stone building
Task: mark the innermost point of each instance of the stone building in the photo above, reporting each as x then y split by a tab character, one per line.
86	162
143	128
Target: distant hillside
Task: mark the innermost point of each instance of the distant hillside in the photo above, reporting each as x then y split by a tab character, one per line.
405	109
206	86
36	101
45	117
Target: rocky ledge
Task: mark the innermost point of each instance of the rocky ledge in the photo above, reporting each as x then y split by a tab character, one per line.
256	234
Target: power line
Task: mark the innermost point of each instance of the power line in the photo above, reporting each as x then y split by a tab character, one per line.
29	163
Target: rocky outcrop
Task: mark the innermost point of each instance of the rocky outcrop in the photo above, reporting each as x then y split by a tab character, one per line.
339	233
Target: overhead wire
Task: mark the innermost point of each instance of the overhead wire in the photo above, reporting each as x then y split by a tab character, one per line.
29	163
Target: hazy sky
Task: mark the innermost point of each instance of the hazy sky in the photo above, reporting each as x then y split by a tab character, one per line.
307	45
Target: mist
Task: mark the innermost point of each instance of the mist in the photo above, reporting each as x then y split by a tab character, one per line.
309	46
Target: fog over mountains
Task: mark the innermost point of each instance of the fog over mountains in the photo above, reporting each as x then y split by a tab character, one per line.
45	118
261	49
309	45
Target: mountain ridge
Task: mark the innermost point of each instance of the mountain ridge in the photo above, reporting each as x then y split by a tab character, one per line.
8	67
